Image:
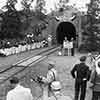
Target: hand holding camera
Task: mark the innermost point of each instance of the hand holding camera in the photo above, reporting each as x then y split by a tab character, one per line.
40	79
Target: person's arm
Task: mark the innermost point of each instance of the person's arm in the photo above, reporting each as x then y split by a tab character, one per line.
49	77
93	75
30	95
88	74
44	79
73	71
9	96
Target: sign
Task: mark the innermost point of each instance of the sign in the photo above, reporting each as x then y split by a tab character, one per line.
68	44
65	44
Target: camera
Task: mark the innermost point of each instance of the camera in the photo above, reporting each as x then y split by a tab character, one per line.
39	79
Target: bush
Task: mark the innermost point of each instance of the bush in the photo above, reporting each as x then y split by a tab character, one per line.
83	48
89	47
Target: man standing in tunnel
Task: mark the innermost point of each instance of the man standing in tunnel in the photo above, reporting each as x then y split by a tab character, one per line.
72	46
65	47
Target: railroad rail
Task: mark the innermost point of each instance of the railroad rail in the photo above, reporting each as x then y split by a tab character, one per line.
22	65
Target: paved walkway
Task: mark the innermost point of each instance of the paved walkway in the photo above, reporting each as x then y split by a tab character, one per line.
64	64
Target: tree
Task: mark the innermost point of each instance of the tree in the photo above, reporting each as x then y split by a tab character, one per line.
10	5
40	5
11	21
26	4
62	4
40	9
92	30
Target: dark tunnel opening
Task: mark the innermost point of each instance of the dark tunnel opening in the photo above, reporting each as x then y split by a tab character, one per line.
65	29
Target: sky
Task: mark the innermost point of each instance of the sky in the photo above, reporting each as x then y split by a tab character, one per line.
50	4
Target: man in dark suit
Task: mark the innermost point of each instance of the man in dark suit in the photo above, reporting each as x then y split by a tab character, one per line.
81	73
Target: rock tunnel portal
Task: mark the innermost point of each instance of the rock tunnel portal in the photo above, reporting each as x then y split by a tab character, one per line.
65	29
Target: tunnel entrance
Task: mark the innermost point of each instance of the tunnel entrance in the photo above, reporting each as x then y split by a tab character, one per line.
65	29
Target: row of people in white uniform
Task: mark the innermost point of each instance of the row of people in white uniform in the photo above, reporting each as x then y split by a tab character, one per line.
21	48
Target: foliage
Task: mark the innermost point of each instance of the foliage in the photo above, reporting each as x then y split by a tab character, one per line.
62	5
26	4
37	13
92	30
15	23
40	6
37	29
10	26
11	23
10	5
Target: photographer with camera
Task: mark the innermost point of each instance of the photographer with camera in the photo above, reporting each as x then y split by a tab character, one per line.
51	80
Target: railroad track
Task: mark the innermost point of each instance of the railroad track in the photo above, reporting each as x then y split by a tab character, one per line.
24	64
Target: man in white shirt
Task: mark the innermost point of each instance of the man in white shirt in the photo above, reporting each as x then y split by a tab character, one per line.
18	92
51	74
65	46
72	46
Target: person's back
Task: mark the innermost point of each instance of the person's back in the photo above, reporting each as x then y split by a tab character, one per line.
97	83
19	93
95	80
81	71
53	74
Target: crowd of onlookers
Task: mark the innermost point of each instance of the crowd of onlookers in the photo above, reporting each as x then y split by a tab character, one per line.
87	69
51	85
9	47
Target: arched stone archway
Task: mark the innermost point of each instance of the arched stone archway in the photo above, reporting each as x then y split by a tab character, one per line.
65	29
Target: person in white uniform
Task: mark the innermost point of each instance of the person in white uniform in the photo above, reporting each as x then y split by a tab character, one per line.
18	92
65	46
72	46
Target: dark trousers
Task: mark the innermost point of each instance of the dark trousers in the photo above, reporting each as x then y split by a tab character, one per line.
65	52
95	95
72	52
80	88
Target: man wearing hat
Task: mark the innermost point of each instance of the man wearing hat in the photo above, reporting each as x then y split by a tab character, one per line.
81	73
18	92
51	75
